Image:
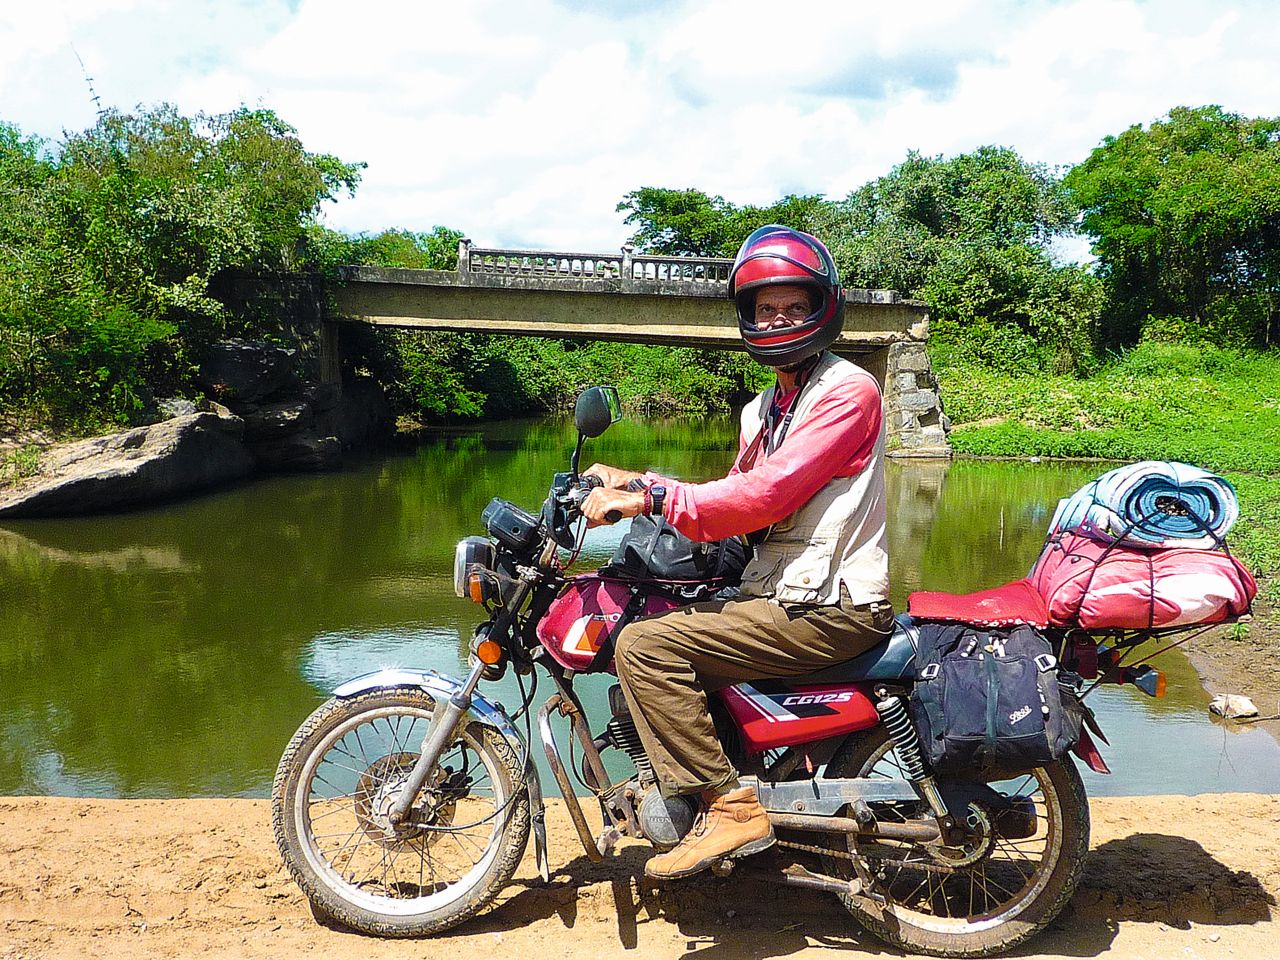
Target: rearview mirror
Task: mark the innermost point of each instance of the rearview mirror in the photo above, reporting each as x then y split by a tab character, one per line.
597	407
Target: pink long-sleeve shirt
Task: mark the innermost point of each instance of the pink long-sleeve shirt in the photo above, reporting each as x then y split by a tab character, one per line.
835	439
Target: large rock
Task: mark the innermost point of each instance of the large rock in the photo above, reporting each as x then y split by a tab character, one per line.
245	371
273	420
134	468
303	450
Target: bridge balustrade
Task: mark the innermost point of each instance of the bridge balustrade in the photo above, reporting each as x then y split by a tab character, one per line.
680	269
476	265
543	264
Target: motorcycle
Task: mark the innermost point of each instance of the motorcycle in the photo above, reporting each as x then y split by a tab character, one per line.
403	805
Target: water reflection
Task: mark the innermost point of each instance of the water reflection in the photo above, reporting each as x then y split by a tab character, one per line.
173	651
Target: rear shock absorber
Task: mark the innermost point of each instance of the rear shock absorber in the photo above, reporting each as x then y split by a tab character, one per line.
894	717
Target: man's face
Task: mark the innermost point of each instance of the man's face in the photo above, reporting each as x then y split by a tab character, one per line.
782	305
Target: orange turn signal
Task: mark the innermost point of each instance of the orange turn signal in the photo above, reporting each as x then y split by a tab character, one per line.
475	586
488	652
1162	683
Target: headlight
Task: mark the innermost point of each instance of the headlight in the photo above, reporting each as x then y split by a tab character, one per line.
470	552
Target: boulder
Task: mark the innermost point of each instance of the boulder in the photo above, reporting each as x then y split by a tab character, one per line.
306	450
175	407
245	371
278	419
134	468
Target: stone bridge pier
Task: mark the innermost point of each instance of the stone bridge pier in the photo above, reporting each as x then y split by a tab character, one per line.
660	300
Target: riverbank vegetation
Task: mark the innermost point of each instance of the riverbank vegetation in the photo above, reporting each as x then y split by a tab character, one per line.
1215	407
110	242
1167	345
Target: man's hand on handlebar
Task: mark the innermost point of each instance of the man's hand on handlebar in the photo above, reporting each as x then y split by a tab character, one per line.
609	506
614	478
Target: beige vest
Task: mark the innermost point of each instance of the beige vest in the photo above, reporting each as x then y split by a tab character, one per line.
838	537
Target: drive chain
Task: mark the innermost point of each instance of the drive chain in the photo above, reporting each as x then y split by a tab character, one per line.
866	855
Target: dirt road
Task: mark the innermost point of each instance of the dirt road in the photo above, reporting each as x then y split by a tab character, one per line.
1169	877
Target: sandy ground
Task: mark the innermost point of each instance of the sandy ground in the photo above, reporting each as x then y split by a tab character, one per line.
1169	877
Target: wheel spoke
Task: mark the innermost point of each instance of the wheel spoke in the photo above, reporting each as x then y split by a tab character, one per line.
344	792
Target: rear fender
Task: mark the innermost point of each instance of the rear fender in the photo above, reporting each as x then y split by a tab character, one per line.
482	711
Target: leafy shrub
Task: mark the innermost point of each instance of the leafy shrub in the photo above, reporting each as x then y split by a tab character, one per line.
112	240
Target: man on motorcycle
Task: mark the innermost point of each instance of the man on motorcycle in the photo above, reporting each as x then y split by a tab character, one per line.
807	489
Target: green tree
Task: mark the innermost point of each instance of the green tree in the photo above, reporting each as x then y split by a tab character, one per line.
691	223
105	296
436	249
967	234
1185	221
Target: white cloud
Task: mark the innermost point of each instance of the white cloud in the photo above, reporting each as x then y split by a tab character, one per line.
524	123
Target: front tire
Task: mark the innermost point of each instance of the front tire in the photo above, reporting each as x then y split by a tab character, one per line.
460	845
1003	886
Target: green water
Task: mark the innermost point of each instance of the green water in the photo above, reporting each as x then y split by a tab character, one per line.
172	651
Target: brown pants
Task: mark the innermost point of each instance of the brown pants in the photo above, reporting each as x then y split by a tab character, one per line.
669	663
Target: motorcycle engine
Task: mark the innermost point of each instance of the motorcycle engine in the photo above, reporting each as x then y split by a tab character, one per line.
665	820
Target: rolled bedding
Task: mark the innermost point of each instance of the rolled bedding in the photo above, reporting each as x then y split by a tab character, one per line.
1151	504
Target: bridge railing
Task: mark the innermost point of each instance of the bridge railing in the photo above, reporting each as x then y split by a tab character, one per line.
541	264
478	265
680	269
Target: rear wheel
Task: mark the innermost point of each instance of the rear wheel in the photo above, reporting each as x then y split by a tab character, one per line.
1016	871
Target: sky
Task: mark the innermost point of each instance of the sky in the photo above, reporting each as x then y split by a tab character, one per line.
523	123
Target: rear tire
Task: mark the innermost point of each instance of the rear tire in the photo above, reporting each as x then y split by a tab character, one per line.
981	899
339	774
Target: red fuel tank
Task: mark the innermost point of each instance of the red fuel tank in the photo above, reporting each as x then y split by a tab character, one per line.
773	713
585	614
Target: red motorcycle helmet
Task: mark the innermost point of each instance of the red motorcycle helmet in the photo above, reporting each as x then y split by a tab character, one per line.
777	254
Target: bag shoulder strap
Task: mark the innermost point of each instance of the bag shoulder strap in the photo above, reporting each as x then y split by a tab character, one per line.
629	613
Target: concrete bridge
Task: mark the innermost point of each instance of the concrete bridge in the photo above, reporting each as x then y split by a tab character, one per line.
636	298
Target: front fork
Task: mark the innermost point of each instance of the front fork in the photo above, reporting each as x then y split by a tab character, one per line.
444	722
445	717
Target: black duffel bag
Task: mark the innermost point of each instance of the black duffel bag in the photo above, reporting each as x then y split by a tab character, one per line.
655	550
988	701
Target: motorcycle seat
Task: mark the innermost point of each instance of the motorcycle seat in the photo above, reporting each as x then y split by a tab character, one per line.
890	660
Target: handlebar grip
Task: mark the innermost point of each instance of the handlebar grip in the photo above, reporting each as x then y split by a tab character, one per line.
613	516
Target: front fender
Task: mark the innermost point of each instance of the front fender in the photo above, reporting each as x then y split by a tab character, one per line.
483	711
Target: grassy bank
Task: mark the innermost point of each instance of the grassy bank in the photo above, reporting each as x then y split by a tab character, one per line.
1219	409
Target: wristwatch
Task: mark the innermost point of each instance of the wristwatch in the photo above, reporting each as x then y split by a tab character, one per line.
657	496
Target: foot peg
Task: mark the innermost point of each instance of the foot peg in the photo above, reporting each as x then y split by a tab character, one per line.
722	868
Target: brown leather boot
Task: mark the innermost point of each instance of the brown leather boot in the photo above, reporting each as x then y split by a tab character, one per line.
733	825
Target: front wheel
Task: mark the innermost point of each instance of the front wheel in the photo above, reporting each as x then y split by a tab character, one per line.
449	858
1028	836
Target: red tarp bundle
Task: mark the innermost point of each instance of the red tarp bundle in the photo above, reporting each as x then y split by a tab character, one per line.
1094	585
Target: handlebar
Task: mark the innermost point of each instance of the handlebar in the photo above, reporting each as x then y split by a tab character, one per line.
588	483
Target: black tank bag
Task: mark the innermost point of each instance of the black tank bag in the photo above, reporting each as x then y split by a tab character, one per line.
988	701
653	549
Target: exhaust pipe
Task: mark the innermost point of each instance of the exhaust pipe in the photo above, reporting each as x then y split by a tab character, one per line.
917	832
562	778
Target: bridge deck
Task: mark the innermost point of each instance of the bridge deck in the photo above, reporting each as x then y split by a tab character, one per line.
673	312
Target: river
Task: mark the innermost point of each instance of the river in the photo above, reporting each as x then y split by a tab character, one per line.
172	651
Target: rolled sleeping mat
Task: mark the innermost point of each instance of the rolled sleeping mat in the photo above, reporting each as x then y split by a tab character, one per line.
1152	504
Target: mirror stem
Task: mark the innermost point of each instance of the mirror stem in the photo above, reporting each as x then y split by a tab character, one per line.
577	453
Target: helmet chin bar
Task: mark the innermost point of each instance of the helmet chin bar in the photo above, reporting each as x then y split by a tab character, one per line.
794	367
